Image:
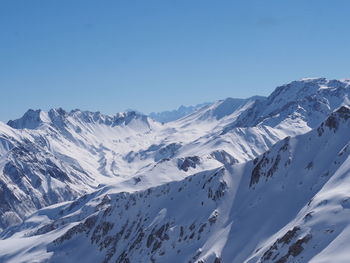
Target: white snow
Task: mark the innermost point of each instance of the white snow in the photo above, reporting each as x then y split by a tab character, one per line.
222	183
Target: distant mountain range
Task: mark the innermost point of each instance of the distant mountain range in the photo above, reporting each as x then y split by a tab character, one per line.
263	179
173	115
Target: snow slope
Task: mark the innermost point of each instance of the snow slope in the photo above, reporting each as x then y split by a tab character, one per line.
264	180
57	156
279	207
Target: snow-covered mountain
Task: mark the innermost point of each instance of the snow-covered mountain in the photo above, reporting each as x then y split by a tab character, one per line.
57	156
173	115
255	180
298	104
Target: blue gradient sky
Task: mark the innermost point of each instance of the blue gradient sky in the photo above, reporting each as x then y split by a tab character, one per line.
156	55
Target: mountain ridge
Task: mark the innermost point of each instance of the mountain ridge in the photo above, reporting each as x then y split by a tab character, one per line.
253	180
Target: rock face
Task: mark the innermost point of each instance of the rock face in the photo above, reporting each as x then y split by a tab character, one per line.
188	162
260	180
154	234
31	179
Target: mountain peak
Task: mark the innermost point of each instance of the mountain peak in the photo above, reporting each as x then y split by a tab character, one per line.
301	105
343	111
341	114
313	79
32	119
226	107
335	120
58	117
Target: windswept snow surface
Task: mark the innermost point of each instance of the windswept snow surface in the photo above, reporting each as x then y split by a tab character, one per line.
255	180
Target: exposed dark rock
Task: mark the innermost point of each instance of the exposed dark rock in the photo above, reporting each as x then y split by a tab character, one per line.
224	157
262	165
333	121
295	249
45	229
188	162
213	218
101	231
82	227
288	236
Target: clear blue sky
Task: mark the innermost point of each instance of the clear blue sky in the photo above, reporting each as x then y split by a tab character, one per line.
156	55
